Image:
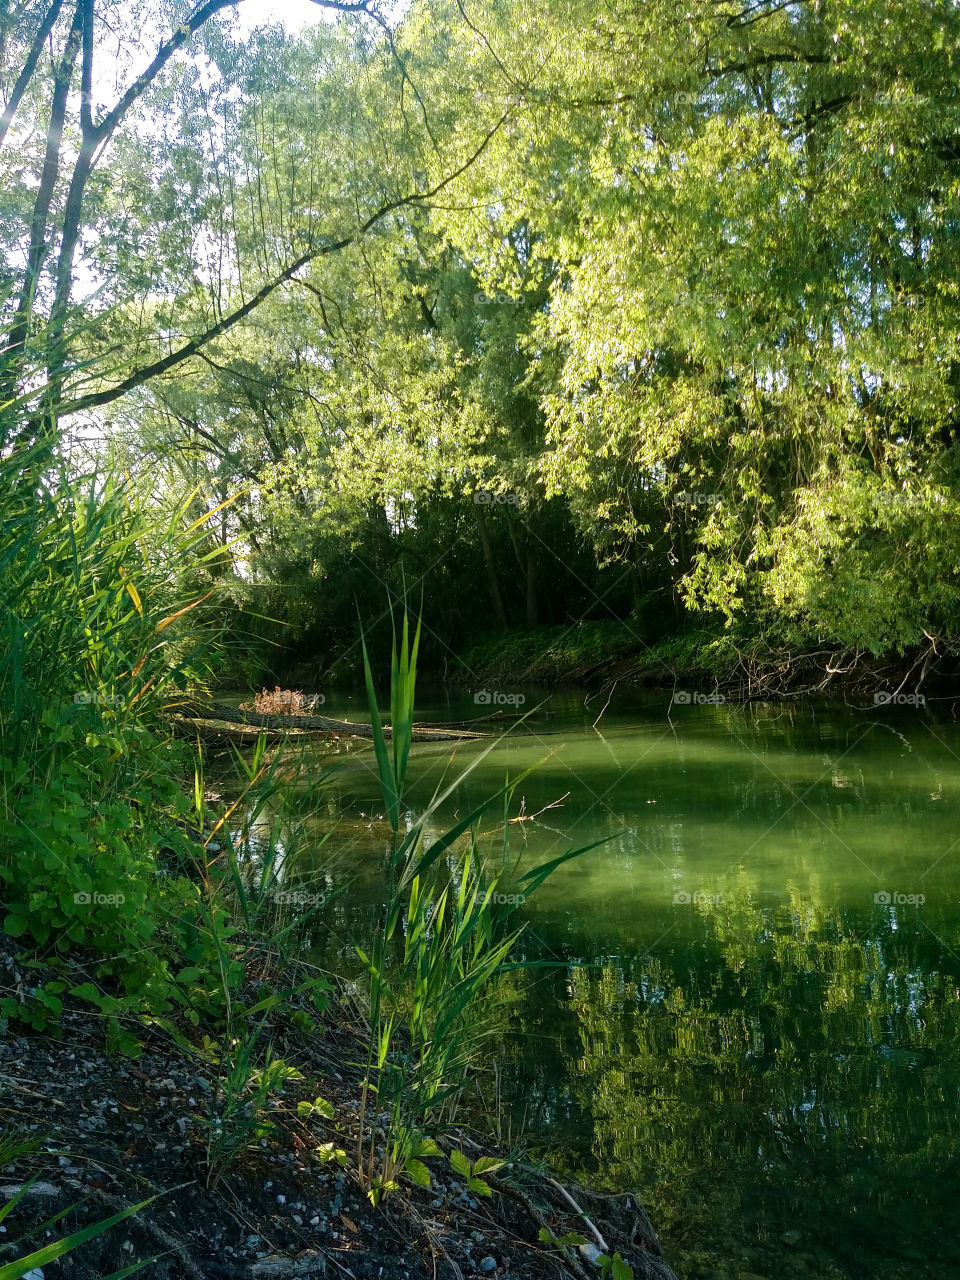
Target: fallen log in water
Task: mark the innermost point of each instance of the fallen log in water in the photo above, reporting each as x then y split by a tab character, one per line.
219	711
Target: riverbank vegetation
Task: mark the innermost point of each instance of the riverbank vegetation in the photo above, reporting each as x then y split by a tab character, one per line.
625	339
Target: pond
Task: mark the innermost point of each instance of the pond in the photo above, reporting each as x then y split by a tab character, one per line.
750	1017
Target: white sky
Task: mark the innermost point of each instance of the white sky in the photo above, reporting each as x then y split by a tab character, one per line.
293	14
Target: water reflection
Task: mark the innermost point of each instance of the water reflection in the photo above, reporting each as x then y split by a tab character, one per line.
750	1021
779	1083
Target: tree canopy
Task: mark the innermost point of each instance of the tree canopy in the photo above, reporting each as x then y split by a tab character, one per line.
634	311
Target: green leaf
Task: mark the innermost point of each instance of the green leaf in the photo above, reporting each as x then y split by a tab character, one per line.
14	926
15	1200
86	991
539	874
190	973
418	1173
388	781
49	1253
479	1186
460	1163
488	1164
320	1105
134	1268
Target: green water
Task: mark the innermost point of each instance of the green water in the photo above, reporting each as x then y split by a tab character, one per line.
734	1028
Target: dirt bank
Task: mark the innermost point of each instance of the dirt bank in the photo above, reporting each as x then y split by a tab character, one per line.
113	1131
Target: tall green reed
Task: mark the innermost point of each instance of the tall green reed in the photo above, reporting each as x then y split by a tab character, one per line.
103	623
445	942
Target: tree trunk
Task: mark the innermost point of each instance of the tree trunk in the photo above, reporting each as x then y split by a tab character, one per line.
231	715
39	243
493	582
533	613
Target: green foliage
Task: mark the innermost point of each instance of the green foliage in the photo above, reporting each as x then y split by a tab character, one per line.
472	1173
678	309
758	221
14	1144
443	948
239	1117
611	1267
100	625
549	652
58	1248
104	626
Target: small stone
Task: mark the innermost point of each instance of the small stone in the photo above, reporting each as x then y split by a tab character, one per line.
314	1221
590	1252
488	1263
298	1221
281	1199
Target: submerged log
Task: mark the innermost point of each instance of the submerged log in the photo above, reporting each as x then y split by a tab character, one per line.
219	711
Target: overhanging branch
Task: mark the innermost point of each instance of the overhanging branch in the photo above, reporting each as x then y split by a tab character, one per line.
96	399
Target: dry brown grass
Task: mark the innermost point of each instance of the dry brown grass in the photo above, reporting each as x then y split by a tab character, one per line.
279	702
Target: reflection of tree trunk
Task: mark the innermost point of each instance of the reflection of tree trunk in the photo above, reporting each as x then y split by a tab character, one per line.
493	582
531	574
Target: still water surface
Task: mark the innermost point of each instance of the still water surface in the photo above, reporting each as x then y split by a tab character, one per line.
752	1019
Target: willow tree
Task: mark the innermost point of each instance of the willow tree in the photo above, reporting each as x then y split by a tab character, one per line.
754	209
135	188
